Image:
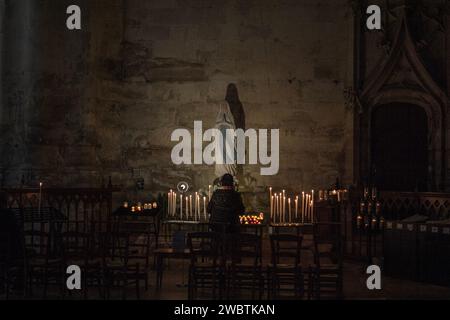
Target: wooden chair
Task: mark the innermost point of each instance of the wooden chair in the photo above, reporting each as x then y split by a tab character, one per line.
245	269
78	251
139	253
11	255
118	269
327	274
42	266
285	272
148	226
206	269
5	265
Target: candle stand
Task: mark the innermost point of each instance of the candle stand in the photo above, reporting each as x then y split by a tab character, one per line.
369	223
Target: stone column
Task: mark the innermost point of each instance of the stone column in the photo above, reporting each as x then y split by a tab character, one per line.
447	78
17	85
2	21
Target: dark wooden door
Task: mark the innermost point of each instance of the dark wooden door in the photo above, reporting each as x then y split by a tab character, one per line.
399	147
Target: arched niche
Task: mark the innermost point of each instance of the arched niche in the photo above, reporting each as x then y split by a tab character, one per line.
403	79
399	147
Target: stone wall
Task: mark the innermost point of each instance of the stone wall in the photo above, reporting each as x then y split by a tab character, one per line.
104	101
50	81
2	14
283	56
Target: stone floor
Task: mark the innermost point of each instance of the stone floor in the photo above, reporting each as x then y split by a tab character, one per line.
175	279
354	286
176	273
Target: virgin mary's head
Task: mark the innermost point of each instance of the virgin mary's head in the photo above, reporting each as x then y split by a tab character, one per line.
232	93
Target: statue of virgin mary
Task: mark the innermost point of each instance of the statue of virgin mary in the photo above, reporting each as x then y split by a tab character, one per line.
225	121
230	116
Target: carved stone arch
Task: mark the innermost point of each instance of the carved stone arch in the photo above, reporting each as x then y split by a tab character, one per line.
403	78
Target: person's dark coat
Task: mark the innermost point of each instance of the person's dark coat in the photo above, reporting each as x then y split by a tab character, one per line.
225	207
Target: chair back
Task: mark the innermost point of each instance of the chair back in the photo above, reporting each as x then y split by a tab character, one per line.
36	244
116	247
76	246
286	249
327	243
5	247
245	249
139	248
204	246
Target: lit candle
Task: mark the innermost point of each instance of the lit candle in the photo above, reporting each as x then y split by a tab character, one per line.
280	199
187	208
195	205
308	207
169	202
296	207
198	208
285	211
276	208
174	205
204	208
271	201
374	222
40	197
272	217
181	207
358	221
279	206
289	205
303	206
271	207
190	205
209	193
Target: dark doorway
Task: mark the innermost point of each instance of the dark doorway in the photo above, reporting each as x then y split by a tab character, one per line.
399	147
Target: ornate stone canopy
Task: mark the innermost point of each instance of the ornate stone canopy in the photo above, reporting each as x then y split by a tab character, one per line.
403	78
